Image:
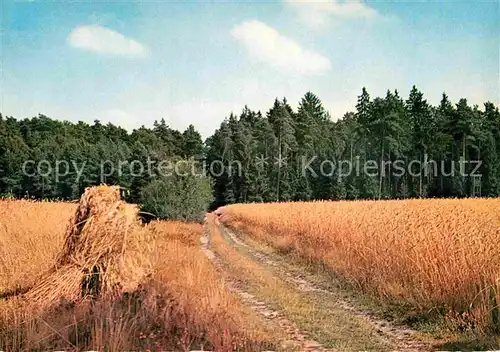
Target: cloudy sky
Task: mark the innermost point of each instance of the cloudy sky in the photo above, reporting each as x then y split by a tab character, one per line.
131	63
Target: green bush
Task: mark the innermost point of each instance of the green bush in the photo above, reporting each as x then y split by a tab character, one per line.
177	197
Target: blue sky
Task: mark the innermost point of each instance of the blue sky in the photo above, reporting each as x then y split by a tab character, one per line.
131	63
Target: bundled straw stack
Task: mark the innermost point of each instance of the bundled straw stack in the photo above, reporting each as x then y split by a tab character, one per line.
105	252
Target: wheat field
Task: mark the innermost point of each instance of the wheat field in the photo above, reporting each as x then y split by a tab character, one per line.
157	290
31	235
434	254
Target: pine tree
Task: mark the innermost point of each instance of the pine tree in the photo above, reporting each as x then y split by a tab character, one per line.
193	144
283	127
422	126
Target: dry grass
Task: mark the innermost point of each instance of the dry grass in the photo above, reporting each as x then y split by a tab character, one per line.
434	254
315	313
106	252
31	236
105	282
200	292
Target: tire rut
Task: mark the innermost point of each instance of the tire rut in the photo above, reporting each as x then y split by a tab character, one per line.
296	339
402	338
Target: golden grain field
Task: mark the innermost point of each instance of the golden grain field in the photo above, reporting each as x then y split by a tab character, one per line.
158	291
434	254
160	295
31	235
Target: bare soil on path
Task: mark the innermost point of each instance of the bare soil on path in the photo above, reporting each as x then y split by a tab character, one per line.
307	316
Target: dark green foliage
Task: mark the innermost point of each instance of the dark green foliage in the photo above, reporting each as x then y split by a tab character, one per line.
183	196
282	155
85	155
387	130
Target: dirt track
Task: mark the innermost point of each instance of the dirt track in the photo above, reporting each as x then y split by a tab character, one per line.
333	324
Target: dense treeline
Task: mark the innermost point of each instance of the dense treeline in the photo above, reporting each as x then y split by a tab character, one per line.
306	153
282	155
45	158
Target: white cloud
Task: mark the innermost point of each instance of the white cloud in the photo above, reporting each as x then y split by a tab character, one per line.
267	45
320	13
106	41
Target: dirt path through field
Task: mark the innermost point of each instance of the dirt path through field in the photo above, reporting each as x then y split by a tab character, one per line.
312	317
293	337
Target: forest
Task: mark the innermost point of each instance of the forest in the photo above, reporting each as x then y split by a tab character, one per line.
278	155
